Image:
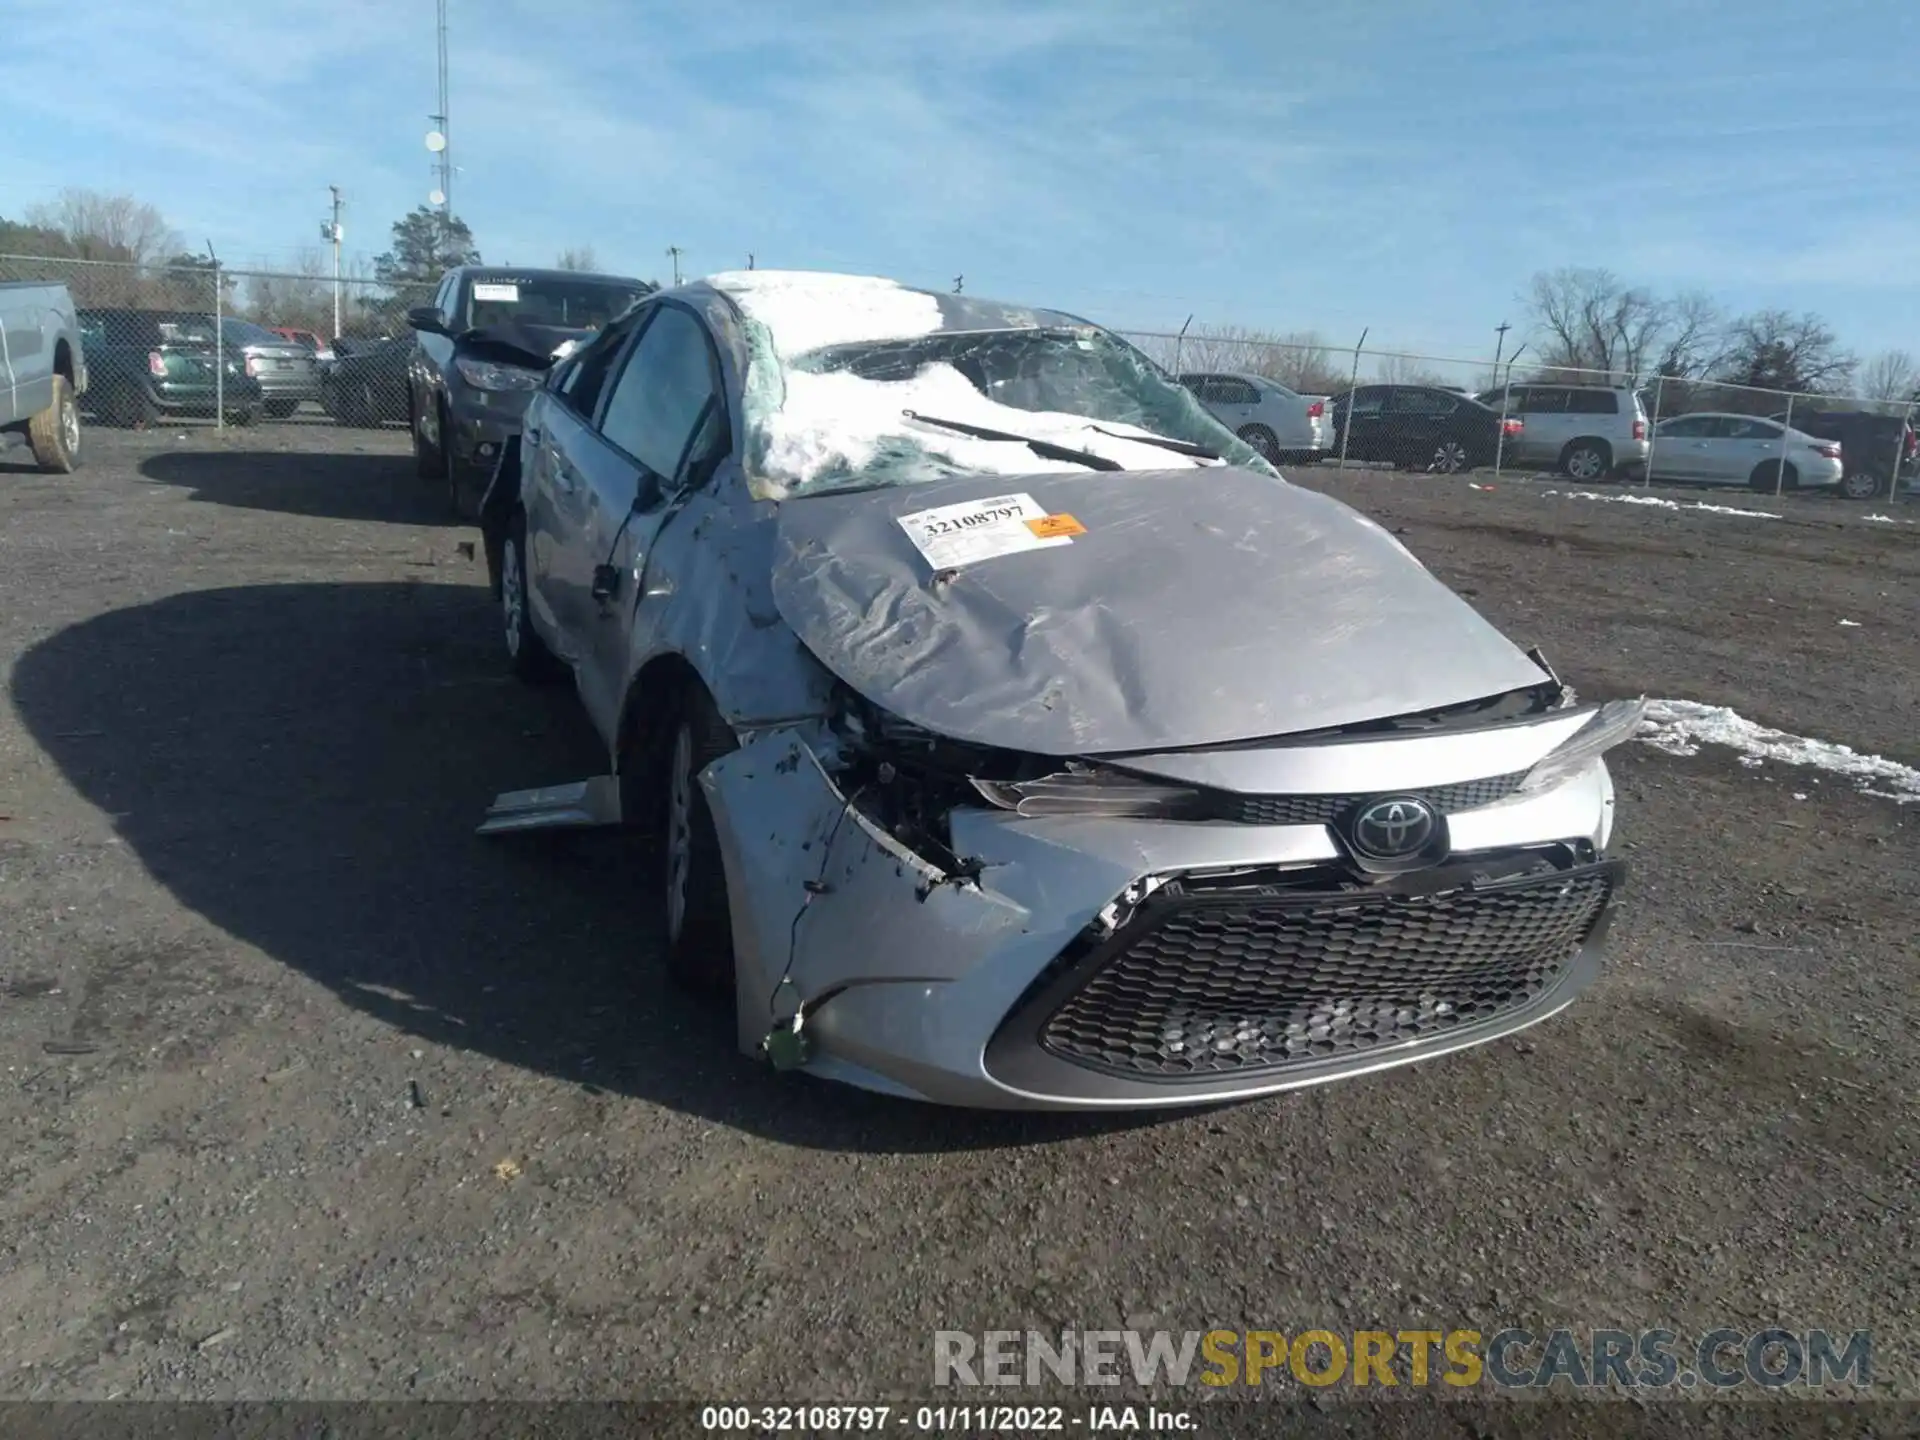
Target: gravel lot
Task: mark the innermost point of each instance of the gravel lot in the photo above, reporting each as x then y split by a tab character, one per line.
309	1092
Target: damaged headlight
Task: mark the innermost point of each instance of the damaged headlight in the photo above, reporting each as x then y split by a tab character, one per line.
1612	723
485	375
1085	791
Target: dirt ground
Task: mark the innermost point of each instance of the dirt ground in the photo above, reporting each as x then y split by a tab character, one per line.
306	1091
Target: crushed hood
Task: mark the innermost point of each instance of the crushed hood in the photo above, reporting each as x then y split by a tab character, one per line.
1191	608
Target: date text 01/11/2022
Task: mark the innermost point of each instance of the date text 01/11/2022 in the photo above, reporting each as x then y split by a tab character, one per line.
940	1419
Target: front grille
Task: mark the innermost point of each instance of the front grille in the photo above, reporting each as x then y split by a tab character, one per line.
1205	985
1325	809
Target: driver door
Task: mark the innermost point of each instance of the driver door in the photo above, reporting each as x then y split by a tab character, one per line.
559	431
661	428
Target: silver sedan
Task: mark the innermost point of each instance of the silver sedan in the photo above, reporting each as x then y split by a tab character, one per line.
1010	733
1716	448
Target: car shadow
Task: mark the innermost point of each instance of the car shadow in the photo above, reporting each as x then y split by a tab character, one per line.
304	765
338	485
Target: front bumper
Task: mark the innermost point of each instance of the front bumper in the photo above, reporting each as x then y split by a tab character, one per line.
1009	991
482	422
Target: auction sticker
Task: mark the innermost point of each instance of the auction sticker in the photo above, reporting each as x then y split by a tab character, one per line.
494	290
975	530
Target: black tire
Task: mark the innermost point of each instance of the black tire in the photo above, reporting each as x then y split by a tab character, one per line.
1587	461
426	455
244	416
527	654
1263	442
673	810
54	434
1449	457
1862	485
1762	478
131	408
281	409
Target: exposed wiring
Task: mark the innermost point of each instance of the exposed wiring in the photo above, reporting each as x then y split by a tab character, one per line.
817	886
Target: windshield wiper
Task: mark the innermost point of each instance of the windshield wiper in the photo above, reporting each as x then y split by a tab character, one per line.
1165	442
1045	449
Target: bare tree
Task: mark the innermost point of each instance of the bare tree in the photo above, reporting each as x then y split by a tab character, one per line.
1773	350
107	227
1301	360
1591	321
1890	375
1406	370
577	257
299	296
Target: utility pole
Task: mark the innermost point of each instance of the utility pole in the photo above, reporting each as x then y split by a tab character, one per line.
674	252
219	348
749	259
958	282
332	231
1500	330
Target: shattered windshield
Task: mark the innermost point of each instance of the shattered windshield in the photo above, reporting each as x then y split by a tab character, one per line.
838	416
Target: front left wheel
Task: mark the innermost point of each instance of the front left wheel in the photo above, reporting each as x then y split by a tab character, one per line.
54	434
691	875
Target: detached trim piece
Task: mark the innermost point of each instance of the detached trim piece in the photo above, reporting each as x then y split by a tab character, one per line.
583	805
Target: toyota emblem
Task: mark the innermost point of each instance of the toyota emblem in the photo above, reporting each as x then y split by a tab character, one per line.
1396	828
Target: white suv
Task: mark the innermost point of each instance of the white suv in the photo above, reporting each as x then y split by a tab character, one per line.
1587	431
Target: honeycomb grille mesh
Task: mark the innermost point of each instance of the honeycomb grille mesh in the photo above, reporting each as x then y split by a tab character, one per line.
1325	809
1210	987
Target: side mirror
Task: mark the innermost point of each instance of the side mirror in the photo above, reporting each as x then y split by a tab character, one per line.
427	318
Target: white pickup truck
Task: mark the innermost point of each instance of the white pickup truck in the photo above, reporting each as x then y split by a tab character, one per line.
43	372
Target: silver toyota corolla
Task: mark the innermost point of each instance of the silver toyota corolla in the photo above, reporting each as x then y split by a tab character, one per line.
1012	734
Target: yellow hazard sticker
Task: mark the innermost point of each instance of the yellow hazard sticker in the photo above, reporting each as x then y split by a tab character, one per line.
1055	527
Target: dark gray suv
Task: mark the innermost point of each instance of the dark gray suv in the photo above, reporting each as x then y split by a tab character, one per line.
462	409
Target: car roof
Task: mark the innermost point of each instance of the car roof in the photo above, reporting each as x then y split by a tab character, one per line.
855	309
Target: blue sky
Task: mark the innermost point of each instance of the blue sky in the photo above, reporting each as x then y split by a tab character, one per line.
1396	164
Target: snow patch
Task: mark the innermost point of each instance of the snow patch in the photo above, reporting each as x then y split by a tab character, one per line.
1681	727
1665	504
808	311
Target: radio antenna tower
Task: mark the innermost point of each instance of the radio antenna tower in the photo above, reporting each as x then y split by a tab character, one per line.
437	143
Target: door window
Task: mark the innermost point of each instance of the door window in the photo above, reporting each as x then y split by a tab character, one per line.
1593	402
1235	392
1687	427
1367	401
667	396
584	373
1414	401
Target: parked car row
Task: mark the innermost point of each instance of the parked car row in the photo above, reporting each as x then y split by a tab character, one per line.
895	617
1588	432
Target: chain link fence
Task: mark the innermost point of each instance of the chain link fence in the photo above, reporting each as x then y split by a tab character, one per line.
303	347
291	347
1310	403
